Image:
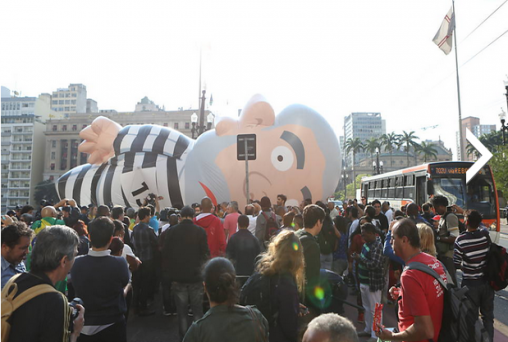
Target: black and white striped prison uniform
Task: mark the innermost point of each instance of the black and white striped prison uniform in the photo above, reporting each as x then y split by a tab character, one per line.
148	159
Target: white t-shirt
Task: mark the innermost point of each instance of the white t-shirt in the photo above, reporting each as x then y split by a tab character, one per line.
334	213
127	250
252	224
389	215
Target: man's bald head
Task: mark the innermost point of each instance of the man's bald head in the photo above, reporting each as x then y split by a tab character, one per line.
48	211
412	209
330	328
206	205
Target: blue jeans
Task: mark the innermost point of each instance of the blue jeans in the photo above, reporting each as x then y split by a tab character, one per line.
186	294
482	296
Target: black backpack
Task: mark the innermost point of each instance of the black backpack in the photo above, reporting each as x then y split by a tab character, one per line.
496	269
256	292
271	226
460	321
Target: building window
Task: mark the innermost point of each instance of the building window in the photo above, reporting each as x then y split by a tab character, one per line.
73	102
165	124
67	95
51	178
64	128
67	101
175	125
54	102
52	155
74	127
53	143
187	125
54	128
84	126
60	101
52	167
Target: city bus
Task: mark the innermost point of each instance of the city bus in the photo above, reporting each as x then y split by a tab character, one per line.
420	183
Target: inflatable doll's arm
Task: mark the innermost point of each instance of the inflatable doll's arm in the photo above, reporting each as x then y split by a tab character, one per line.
98	140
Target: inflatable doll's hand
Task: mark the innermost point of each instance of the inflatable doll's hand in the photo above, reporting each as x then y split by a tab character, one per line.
99	138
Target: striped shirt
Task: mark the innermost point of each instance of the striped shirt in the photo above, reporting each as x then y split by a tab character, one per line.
470	253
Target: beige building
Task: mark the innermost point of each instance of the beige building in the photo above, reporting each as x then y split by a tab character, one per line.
146	105
62	136
22	147
398	160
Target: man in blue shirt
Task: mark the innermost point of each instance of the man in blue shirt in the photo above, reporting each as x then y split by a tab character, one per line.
15	242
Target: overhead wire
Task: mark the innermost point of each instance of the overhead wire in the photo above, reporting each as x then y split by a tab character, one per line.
470	33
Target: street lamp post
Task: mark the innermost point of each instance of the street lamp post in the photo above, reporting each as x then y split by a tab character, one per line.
200	127
344	179
377	166
194	119
504	127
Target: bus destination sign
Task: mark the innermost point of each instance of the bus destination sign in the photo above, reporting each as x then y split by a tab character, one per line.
448	170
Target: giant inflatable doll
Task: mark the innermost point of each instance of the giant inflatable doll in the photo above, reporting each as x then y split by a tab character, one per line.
297	155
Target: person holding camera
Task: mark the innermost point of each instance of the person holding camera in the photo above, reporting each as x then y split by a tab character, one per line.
447	232
47	317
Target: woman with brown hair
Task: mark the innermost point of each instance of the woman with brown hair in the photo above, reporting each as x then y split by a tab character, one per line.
283	263
226	321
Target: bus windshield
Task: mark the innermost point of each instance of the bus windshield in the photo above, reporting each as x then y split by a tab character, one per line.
478	194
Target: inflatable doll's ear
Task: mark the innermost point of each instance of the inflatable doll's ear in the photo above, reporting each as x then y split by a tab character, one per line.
257	112
226	125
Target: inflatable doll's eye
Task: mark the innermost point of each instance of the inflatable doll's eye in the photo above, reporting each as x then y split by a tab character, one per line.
282	158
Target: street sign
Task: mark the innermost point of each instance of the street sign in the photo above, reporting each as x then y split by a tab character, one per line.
486	155
251	146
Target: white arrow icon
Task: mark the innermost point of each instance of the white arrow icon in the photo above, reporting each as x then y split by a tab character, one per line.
486	155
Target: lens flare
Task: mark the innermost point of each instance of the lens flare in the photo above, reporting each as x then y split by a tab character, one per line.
319	293
295	246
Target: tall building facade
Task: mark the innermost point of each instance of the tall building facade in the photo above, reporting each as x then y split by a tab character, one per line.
22	147
62	136
70	100
362	125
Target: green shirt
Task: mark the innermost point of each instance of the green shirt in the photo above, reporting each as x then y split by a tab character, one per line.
222	324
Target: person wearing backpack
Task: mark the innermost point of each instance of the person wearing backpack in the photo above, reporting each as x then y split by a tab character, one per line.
266	223
420	300
32	309
313	218
276	286
447	232
470	255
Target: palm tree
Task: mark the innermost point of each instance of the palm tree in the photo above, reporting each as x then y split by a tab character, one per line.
354	146
371	145
388	141
492	141
408	140
428	151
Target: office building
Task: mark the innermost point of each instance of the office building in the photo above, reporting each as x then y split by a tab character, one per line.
22	146
362	125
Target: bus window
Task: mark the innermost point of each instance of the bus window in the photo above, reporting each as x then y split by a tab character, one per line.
451	188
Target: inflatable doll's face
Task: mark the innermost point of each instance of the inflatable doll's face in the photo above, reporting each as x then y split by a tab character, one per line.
288	161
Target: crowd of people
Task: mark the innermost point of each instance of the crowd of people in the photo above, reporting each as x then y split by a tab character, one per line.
116	260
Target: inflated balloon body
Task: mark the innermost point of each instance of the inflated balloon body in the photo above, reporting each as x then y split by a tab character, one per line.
297	155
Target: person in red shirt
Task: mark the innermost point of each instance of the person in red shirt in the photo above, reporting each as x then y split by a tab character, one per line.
421	296
213	228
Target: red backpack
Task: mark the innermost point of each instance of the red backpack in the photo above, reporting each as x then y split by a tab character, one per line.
271	226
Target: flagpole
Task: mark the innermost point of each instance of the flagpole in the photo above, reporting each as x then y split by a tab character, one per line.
461	144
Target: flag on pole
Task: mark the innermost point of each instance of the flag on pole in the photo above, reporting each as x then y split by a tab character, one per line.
443	37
